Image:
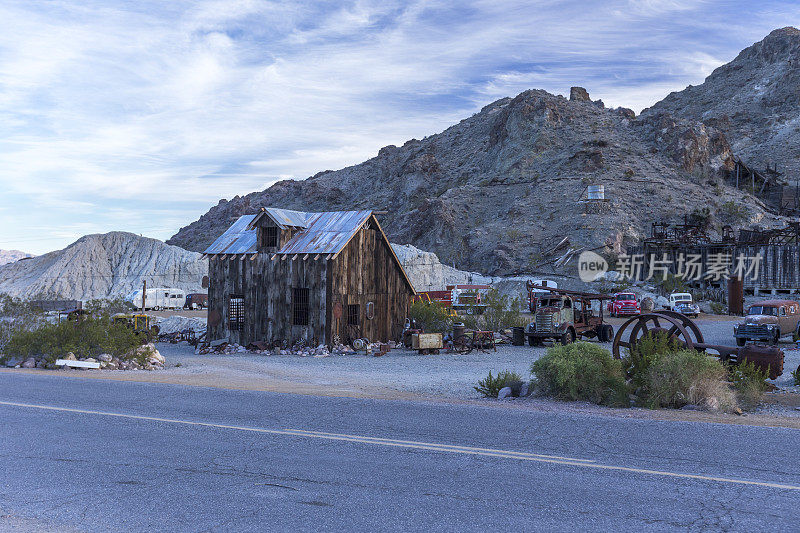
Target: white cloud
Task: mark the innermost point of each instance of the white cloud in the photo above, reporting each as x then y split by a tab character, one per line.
139	116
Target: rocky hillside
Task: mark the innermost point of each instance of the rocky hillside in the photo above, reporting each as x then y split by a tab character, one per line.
103	266
754	100
9	256
497	191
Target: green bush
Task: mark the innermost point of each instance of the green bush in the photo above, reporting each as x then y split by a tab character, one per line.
87	338
501	311
431	317
686	377
644	354
750	383
796	376
581	371
491	386
718	308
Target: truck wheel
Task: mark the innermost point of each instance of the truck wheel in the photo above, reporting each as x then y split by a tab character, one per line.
608	331
532	341
777	337
568	337
796	334
741	342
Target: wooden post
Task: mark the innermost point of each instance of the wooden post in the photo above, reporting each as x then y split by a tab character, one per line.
144	293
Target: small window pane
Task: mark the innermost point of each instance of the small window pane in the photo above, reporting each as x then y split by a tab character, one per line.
353	315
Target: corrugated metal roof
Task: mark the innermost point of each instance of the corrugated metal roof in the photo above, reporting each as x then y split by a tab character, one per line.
286	217
328	233
325	233
238	239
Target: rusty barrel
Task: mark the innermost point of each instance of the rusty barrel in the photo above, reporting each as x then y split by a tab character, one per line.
769	358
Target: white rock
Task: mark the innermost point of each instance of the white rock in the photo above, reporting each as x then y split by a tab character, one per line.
505	392
105	357
30	362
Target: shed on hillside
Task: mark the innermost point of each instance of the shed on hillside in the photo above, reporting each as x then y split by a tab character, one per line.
317	278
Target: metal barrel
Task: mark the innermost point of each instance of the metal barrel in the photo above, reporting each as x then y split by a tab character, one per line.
517	336
458	329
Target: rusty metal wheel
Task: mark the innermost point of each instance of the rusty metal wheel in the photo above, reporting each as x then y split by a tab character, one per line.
673	325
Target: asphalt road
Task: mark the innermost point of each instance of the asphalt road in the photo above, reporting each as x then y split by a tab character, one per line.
80	454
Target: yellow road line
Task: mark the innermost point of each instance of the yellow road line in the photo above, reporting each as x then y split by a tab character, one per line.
490	452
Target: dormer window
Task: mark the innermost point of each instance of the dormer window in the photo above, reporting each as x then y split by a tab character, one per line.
271	236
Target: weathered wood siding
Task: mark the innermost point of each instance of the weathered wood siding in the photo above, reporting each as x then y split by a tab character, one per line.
266	286
364	272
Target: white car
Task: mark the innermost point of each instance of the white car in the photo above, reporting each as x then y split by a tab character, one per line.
682	302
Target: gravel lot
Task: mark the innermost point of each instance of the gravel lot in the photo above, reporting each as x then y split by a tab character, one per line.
400	371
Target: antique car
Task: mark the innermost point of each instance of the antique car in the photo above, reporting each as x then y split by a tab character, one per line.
565	316
768	321
624	304
682	302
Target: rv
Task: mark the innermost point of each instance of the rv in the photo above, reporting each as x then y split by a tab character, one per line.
159	298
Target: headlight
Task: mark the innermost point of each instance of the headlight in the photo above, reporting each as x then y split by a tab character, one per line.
770	326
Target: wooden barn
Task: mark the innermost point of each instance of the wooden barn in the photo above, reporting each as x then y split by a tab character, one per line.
316	278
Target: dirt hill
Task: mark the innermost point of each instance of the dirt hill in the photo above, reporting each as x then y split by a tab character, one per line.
754	100
103	266
496	192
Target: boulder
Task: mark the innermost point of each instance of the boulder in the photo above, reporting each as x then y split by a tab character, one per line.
524	390
70	357
505	392
30	362
579	94
104	357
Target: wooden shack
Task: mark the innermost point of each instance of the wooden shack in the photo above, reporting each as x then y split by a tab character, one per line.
283	276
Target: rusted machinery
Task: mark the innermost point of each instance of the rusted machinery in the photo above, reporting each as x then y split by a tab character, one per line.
686	332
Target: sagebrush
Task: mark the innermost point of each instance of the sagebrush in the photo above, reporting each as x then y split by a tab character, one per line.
581	371
491	385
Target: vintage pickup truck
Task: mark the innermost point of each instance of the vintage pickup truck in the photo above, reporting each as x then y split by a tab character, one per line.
624	304
768	321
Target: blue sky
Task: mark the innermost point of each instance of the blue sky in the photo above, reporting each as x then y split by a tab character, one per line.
139	116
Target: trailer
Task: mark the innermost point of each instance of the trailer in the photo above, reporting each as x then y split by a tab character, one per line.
158	298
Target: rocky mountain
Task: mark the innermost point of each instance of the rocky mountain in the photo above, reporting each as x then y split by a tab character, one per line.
754	100
498	191
9	256
103	266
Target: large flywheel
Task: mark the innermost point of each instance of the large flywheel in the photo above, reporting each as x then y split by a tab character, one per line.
674	325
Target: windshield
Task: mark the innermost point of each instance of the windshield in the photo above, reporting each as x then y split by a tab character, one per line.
762	310
550	302
621	297
682	297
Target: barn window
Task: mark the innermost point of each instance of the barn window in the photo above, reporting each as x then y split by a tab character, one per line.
271	236
353	315
300	307
236	313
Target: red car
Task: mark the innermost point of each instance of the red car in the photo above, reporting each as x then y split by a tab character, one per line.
624	304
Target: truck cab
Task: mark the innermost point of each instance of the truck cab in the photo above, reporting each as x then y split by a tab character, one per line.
768	321
624	304
566	316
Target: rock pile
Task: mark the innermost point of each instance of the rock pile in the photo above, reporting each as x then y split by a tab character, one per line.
298	349
144	357
176	324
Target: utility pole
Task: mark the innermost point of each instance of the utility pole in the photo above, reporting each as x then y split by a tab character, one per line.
144	293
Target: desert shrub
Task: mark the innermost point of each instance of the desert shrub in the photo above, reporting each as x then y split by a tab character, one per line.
644	354
686	377
87	338
750	383
105	306
491	385
432	317
718	308
581	371
731	212
796	375
671	283
501	311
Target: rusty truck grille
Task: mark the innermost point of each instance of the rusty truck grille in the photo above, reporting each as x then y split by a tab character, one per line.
755	330
544	322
